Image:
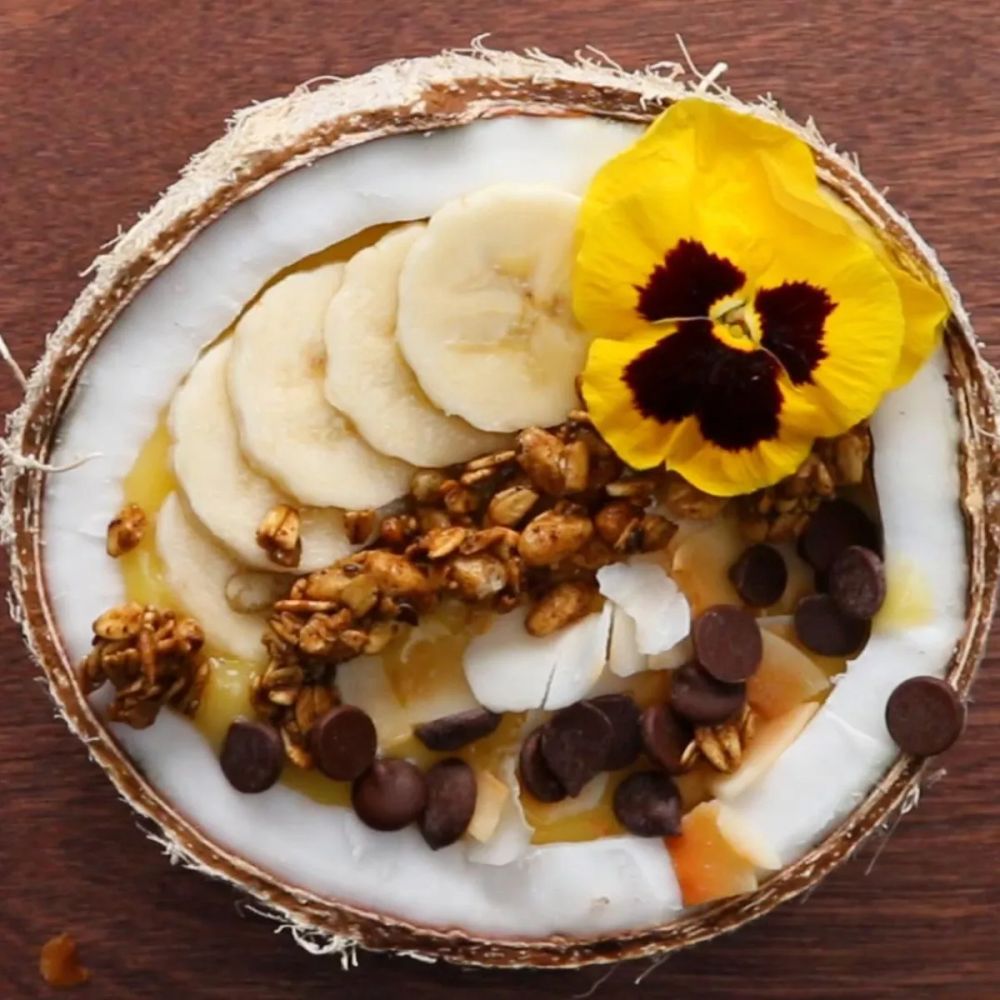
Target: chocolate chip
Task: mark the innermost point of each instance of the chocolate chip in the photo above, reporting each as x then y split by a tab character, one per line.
252	756
727	643
665	738
391	794
760	576
343	742
452	732
626	740
451	801
648	805
857	582
924	716
822	627
835	526
534	773
701	699
576	742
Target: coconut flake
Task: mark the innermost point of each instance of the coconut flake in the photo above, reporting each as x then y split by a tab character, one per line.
624	658
510	670
651	599
512	834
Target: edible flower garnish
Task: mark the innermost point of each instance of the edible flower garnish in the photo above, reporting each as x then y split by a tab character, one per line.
739	310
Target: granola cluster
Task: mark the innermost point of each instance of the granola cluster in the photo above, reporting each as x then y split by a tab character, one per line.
532	524
151	657
722	746
126	530
781	512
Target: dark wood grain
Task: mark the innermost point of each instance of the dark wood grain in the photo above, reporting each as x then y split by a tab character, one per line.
101	102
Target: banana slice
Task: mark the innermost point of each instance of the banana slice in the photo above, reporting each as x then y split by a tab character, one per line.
287	429
485	319
221	489
366	376
197	571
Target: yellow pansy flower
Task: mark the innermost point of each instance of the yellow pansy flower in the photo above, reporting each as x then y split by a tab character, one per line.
738	312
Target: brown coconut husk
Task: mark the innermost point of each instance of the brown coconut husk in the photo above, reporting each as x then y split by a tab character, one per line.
268	140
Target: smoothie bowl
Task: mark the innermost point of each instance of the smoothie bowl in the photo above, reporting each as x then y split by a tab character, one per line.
511	512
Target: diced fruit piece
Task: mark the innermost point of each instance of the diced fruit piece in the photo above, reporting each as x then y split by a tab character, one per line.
706	864
491	797
786	678
746	840
766	746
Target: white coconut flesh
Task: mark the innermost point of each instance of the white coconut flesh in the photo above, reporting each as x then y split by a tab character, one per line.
578	889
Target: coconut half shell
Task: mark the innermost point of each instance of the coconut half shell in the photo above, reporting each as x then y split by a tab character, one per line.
269	140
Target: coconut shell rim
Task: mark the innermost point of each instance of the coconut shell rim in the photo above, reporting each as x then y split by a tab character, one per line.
264	143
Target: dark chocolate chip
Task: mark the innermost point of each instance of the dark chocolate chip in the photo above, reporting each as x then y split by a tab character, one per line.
665	737
252	756
626	740
452	732
835	526
451	801
391	794
534	773
760	576
822	627
576	742
924	716
857	582
727	643
701	699
648	805
343	742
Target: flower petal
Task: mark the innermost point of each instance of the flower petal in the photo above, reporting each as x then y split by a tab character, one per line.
686	284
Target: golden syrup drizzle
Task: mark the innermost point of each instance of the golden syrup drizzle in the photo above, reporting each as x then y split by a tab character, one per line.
908	599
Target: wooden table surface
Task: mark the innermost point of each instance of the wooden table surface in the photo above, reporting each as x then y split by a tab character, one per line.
102	102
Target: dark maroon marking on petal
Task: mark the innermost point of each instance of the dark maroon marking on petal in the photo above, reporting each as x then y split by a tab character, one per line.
668	378
791	318
688	281
739	406
734	394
